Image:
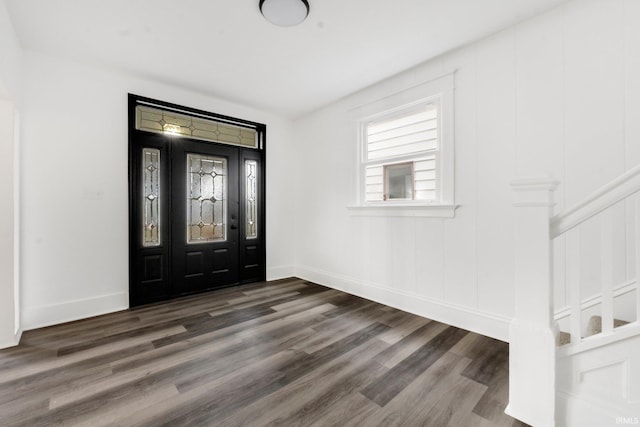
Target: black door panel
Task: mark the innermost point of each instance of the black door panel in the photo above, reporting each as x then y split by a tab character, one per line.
212	195
219	253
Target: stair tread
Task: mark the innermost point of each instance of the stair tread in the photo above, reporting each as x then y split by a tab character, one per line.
563	338
594	327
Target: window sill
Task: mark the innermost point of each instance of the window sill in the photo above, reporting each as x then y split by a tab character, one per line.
404	210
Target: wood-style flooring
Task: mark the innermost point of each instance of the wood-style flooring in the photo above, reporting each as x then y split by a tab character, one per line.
289	353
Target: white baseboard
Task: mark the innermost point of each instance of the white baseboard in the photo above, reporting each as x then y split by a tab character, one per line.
6	344
39	317
280	272
12	342
515	413
462	317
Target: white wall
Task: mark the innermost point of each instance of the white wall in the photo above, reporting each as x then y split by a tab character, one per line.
10	92
10	58
557	95
74	176
9	326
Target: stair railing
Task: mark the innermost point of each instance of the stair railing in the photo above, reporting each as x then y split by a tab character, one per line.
567	223
532	332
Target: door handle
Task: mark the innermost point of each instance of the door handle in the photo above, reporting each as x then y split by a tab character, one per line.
234	226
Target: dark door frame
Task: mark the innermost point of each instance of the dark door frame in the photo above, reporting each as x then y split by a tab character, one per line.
252	252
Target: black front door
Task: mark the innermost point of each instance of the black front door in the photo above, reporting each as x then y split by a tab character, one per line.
205	216
196	216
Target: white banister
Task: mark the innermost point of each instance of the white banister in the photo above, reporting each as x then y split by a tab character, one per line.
531	332
608	195
596	299
606	255
532	392
574	280
638	259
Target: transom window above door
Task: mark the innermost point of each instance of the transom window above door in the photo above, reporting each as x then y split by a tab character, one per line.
174	123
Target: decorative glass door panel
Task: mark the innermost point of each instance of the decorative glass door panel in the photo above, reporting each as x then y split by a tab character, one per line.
251	202
151	197
205	211
206	198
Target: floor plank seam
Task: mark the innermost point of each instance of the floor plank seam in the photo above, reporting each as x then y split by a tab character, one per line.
288	352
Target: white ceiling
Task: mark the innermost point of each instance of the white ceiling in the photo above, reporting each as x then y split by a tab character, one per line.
225	48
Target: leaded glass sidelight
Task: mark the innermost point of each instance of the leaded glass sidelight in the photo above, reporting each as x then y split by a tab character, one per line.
206	198
251	171
151	197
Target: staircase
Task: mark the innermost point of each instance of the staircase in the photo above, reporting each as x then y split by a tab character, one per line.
575	336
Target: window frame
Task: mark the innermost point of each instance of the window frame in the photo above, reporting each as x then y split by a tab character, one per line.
441	92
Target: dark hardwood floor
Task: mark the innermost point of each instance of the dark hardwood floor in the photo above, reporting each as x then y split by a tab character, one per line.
288	353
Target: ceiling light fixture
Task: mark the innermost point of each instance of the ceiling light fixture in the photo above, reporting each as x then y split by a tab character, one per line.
284	13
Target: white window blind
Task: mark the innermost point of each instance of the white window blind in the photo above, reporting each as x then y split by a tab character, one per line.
408	136
409	133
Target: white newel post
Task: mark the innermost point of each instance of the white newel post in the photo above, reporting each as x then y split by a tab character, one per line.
531	333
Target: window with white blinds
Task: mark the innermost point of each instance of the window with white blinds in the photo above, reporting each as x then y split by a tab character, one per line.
406	152
401	154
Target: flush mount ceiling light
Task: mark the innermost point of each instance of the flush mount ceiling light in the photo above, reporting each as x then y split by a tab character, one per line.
284	13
